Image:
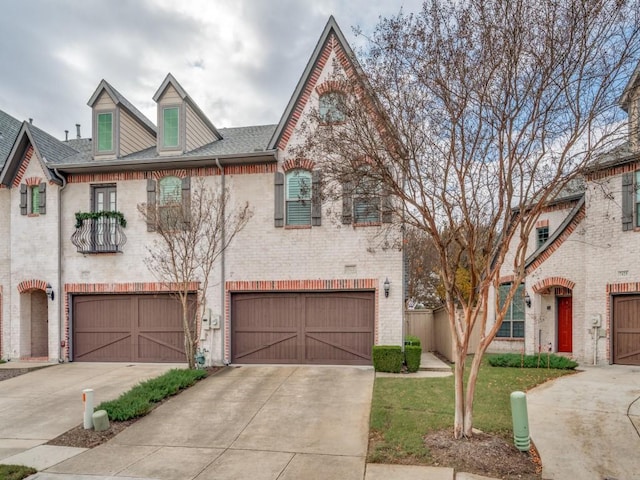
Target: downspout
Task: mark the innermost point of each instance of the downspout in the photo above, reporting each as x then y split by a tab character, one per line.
225	360
60	289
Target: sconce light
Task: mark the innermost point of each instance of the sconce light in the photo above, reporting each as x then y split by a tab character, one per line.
387	286
527	300
49	291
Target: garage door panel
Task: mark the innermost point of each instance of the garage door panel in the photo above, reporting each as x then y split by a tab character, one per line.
97	312
161	347
102	346
626	329
305	327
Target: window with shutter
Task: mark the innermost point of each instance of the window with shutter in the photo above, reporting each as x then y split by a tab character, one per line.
637	199
34	207
298	197
170	210
366	202
513	323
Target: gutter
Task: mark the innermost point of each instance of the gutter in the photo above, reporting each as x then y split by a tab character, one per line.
60	290
225	359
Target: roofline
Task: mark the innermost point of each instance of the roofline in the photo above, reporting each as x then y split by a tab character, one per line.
267	156
559	231
624	98
288	111
631	157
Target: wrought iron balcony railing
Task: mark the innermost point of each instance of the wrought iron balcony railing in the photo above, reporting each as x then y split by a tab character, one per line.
99	235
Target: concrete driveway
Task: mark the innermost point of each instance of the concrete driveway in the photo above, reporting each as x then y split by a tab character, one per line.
247	422
40	405
587	425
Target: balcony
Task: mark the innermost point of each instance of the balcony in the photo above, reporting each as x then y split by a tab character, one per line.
100	234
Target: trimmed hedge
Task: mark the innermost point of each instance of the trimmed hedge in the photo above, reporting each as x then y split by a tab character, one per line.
412	354
531	361
387	358
412	340
139	401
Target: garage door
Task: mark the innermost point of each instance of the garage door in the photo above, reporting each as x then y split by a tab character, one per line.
321	328
626	329
127	328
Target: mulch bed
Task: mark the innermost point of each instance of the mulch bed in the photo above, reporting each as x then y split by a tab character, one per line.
7	373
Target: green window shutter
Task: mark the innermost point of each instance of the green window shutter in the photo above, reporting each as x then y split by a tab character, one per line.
42	189
23	199
316	199
347	202
387	208
170	127
151	205
299	188
278	208
628	198
105	132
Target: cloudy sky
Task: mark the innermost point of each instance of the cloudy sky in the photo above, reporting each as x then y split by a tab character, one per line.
238	59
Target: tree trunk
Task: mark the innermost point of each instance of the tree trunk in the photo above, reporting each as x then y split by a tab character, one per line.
459	417
189	347
471	389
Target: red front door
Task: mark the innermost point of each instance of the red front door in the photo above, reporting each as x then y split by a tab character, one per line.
565	329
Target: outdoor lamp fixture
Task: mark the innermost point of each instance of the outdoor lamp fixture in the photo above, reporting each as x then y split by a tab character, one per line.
49	291
387	286
527	300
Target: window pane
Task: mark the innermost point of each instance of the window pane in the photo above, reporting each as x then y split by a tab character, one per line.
105	132
299	213
517	304
331	107
505	329
518	329
35	199
299	185
366	210
543	235
170	190
170	127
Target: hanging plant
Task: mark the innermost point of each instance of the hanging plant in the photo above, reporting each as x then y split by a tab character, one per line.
82	216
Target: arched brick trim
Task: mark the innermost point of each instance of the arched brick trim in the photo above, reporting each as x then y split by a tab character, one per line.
33	284
295	286
545	284
506	279
32	181
180	173
331	86
293	164
23	166
116	288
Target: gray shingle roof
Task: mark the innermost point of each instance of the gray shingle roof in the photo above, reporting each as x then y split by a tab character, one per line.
53	150
9	128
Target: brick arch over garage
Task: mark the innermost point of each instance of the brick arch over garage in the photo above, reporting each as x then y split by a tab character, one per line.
543	285
33	284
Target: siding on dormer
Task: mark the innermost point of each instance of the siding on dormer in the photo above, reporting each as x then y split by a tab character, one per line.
133	137
104	102
198	134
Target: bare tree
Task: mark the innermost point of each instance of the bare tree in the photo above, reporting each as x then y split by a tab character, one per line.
474	115
421	261
191	234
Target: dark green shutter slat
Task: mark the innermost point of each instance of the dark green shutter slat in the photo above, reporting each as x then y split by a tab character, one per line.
151	205
387	208
23	199
316	199
278	208
43	197
627	201
347	203
186	199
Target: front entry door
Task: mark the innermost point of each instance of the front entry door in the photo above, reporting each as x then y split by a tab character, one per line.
565	321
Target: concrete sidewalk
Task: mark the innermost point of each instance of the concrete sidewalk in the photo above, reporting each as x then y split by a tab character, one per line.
583	424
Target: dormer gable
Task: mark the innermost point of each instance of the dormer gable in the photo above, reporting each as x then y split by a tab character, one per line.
182	126
630	103
118	128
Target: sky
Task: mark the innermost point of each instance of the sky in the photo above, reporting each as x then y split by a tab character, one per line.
239	60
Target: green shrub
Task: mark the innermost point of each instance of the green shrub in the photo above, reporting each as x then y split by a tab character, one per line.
15	472
139	401
412	340
412	354
387	358
543	360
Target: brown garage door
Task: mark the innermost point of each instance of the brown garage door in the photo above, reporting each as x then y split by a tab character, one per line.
626	329
320	328
127	328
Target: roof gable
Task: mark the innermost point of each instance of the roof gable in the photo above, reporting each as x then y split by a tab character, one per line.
121	101
332	39
9	128
631	85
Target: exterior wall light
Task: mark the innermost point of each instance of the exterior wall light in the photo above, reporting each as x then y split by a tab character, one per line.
49	291
387	286
527	300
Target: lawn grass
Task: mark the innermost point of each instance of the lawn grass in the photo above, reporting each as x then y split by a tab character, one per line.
404	410
15	472
142	398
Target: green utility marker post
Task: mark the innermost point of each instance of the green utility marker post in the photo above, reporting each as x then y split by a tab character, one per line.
520	421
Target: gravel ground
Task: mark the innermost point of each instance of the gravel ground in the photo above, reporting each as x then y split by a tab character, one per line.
7	373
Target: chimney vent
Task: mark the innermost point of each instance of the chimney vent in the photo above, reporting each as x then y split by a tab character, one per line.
30	121
66	135
78	131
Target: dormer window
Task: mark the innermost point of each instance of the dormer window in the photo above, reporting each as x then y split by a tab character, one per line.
104	132
170	127
331	107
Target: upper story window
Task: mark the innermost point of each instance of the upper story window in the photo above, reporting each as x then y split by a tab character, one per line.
34	207
331	107
513	323
33	195
542	235
170	127
170	202
298	197
366	202
104	132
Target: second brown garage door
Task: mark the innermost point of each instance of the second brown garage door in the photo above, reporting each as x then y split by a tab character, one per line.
626	329
127	328
318	328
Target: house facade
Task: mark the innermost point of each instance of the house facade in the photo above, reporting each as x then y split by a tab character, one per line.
581	295
303	282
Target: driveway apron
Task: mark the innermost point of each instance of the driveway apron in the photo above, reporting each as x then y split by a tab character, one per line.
583	424
259	422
